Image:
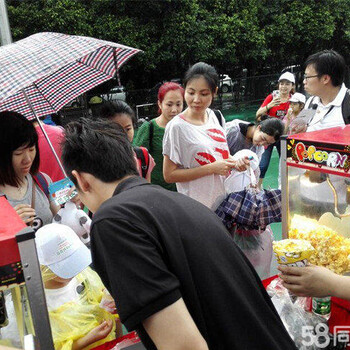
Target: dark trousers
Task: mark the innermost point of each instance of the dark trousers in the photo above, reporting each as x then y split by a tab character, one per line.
265	159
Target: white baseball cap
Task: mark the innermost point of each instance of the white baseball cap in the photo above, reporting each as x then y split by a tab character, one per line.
60	249
298	97
287	76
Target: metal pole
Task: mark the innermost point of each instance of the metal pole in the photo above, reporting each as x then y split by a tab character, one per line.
34	284
5	33
44	132
116	66
284	187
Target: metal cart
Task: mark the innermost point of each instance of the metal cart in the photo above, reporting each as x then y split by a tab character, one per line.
20	274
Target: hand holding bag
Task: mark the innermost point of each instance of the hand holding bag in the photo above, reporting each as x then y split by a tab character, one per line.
252	208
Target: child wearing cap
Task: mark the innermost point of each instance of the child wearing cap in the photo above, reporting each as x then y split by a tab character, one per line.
74	292
297	103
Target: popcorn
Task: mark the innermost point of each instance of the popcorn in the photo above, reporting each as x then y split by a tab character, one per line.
293	252
331	249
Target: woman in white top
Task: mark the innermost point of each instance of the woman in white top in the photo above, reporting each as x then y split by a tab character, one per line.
196	155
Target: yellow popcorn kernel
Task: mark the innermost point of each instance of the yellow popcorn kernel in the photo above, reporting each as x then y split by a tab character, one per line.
331	249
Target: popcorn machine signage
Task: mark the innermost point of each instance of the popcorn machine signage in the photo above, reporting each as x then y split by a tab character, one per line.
301	152
332	159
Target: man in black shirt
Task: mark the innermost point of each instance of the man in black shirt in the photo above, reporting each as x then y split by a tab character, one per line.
175	273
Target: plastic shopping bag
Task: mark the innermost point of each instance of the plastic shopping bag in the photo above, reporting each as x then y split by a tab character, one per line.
75	319
302	325
257	247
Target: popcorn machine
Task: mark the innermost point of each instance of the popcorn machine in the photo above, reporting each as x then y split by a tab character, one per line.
315	176
20	281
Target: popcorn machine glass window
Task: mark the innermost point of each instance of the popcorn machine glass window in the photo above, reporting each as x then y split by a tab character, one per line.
315	177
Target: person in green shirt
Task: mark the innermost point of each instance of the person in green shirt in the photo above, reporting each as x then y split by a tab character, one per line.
150	134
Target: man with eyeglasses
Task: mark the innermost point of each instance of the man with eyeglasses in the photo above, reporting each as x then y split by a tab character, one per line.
324	80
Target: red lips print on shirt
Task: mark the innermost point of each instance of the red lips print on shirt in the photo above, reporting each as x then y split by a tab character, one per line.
204	158
224	152
216	135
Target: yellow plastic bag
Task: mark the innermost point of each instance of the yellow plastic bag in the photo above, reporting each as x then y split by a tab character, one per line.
73	320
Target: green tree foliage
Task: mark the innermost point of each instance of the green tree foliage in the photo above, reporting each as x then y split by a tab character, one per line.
173	34
64	16
300	29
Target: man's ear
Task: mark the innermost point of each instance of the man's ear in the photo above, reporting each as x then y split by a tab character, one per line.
83	183
326	79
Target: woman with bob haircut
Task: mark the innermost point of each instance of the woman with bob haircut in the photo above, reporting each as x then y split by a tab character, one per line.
20	180
196	154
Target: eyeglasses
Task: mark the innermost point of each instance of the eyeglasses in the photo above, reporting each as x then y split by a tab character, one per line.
306	77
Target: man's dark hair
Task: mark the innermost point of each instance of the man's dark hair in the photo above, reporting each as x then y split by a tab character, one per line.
328	62
272	127
98	147
15	131
204	70
109	109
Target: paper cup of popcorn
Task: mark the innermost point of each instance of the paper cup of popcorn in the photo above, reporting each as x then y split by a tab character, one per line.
293	252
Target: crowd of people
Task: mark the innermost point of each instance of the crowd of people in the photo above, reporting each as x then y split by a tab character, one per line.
157	246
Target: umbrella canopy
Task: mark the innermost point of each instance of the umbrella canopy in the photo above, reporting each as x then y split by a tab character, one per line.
41	73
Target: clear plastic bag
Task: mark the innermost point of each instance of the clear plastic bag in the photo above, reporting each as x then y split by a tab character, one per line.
299	323
129	340
257	247
108	302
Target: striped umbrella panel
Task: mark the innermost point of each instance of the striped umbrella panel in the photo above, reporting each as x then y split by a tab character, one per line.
51	92
42	54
